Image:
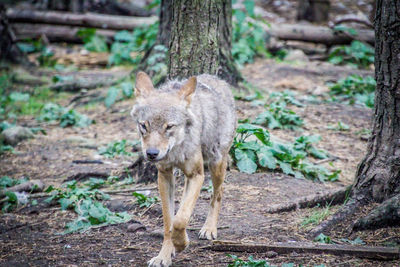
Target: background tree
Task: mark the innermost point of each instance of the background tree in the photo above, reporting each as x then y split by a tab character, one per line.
378	175
197	41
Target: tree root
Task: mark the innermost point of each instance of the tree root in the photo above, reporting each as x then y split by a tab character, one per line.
344	212
386	214
142	170
331	198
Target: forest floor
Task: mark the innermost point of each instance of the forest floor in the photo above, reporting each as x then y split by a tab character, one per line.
31	235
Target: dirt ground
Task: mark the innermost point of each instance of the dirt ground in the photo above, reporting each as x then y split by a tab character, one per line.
30	236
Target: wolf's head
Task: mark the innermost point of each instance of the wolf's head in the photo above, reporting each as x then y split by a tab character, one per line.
161	116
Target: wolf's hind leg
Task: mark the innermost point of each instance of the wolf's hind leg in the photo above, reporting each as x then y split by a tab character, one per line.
218	171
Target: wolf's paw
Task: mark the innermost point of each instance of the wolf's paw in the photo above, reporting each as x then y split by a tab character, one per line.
180	239
208	233
160	261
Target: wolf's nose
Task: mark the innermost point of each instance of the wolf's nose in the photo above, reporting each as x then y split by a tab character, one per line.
152	153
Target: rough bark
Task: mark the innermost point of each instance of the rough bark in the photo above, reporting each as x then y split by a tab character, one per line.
200	40
8	49
378	175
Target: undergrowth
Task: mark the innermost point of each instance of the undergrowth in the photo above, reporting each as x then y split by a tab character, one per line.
84	201
253	148
354	89
65	117
251	262
357	54
117	148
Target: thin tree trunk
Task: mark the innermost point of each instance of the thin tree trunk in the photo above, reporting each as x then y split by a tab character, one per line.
378	175
8	49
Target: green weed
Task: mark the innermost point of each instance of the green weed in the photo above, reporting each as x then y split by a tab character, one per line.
358	54
92	42
10	200
260	151
340	126
144	201
316	217
354	89
65	117
278	116
321	238
84	201
117	148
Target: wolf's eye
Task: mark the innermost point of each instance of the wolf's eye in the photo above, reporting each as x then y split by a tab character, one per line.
169	127
142	127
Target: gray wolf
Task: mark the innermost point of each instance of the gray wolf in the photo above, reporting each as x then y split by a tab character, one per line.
182	125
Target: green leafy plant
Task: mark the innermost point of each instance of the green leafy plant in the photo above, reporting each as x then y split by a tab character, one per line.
340	126
354	89
10	200
248	36
287	96
117	148
348	30
66	117
321	238
84	201
251	262
121	91
252	148
144	201
358	54
92	41
140	40
278	116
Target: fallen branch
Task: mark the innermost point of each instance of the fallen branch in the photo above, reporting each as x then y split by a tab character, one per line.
85	175
30	186
351	18
377	253
91	20
78	84
332	198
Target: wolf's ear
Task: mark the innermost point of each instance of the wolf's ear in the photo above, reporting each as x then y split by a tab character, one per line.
143	85
188	89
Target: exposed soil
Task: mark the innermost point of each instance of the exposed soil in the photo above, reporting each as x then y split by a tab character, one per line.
30	236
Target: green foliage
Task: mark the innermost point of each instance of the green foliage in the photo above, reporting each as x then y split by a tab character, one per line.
10	202
287	96
83	200
278	116
252	148
45	57
117	148
140	40
121	91
354	89
144	201
342	28
321	238
248	36
66	117
340	126
316	217
250	263
358	54
92	41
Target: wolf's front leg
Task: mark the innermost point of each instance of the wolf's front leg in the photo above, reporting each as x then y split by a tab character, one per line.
166	186
218	170
194	173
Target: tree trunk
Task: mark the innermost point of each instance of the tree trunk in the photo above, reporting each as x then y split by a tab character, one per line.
313	10
8	49
200	40
378	175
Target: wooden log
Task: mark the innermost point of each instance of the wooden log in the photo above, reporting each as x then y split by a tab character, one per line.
63	30
89	20
377	253
54	33
317	34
